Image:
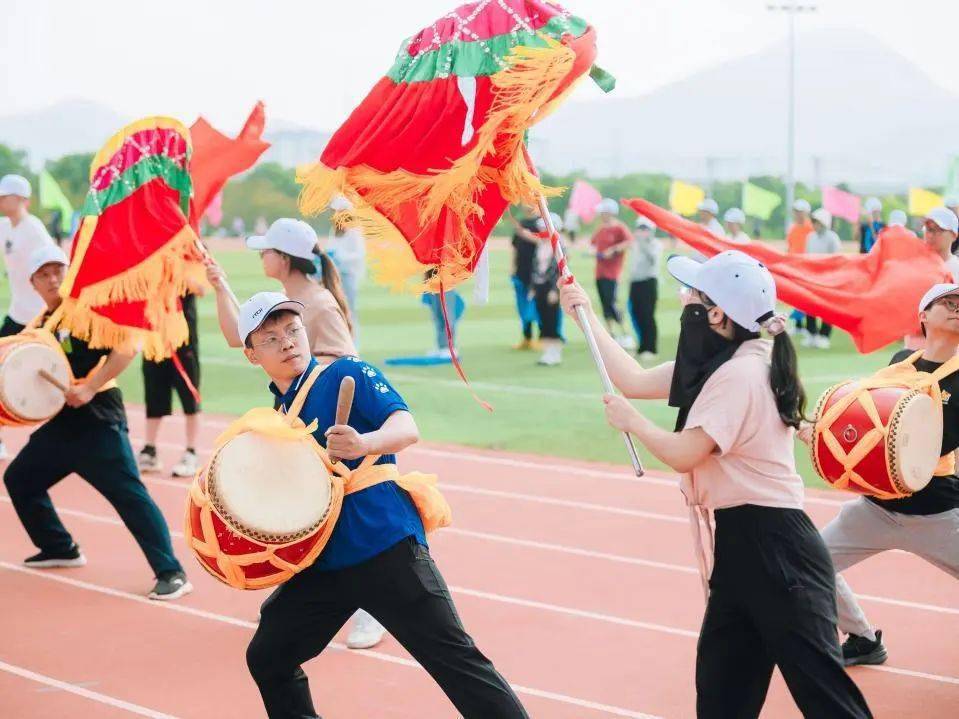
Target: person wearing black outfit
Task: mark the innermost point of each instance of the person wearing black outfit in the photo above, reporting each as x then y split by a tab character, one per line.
769	581
524	257
546	295
925	523
87	437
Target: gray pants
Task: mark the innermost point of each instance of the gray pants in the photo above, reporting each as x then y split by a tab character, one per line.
863	529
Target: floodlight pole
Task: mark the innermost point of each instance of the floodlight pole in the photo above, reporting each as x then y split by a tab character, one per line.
791	9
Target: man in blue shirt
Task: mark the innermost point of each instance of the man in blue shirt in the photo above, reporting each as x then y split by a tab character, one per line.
377	558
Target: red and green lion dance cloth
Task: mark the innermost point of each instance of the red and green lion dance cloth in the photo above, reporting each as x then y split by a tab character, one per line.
431	159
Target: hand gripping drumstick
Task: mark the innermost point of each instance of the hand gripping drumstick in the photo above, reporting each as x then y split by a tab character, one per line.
53	380
344	403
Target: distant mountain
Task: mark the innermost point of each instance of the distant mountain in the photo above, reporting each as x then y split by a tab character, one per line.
61	129
864	114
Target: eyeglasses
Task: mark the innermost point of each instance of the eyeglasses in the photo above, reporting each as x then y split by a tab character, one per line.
950	305
275	342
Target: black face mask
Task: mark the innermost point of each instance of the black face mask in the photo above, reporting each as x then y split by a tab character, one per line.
700	352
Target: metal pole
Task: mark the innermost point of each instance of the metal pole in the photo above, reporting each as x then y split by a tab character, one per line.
587	328
791	149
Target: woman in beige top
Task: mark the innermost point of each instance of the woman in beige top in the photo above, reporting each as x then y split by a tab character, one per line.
772	591
291	255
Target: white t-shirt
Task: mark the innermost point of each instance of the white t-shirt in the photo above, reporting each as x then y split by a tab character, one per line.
19	243
953	264
348	251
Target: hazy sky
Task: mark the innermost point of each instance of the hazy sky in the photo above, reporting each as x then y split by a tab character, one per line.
313	61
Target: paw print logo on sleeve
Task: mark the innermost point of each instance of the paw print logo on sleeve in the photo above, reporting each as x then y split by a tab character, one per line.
381	388
369	371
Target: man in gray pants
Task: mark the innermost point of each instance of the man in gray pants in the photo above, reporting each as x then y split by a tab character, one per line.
925	523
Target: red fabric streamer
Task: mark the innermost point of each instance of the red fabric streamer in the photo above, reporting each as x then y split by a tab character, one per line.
216	158
873	297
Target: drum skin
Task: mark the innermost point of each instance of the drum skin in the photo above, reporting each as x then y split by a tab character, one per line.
230	551
899	464
25	397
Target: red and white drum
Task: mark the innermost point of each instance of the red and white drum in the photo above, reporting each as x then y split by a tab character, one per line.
25	397
261	510
882	442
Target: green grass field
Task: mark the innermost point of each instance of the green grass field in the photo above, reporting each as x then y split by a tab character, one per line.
542	410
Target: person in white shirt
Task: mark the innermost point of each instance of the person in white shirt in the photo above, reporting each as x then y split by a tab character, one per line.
735	220
22	234
708	212
347	249
821	241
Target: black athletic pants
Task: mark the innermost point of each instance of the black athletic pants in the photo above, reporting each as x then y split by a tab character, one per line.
817	327
607	298
642	303
546	296
771	603
404	590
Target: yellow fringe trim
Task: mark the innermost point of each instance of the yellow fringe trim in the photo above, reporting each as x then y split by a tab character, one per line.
521	97
158	281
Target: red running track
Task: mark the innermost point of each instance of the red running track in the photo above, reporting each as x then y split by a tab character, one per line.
576	579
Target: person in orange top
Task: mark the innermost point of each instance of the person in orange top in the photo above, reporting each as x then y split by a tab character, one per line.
796	245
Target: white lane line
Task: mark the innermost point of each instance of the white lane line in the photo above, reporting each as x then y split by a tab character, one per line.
80	691
381	656
546	546
911	673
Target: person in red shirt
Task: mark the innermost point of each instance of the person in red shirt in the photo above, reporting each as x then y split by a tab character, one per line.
796	245
610	242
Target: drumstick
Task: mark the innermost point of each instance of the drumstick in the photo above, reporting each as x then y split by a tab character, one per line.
344	403
53	380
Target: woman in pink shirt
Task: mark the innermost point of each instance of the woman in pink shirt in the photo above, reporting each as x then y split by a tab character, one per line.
771	584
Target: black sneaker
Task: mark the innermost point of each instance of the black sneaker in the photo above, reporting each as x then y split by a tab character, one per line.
859	650
171	585
73	557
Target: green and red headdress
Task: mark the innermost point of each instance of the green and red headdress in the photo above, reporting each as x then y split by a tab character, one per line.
430	160
134	253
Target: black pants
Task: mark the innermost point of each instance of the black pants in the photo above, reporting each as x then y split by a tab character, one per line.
772	603
642	304
817	327
10	327
404	590
162	379
101	454
607	297
546	296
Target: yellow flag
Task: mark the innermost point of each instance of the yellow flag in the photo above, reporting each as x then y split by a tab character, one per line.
921	201
684	197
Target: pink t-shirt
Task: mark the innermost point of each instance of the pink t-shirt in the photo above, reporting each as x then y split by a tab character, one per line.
753	462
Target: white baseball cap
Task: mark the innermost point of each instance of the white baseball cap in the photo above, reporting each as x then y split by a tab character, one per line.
937	292
945	218
734	214
254	312
873	205
15	185
802	205
643	221
709	205
47	254
741	286
608	206
823	217
898	218
294	237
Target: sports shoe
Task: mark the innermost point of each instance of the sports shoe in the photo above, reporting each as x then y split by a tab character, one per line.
524	346
366	632
73	557
148	461
552	356
4	454
808	340
170	585
627	342
859	650
821	342
645	357
187	466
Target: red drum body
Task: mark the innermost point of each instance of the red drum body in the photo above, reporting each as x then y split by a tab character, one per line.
882	442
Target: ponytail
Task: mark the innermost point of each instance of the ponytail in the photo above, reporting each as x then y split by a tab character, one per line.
321	267
784	380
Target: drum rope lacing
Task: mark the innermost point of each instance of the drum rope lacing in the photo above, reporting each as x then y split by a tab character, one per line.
901	374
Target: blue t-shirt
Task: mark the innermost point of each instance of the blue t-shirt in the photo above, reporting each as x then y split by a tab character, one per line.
374	519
